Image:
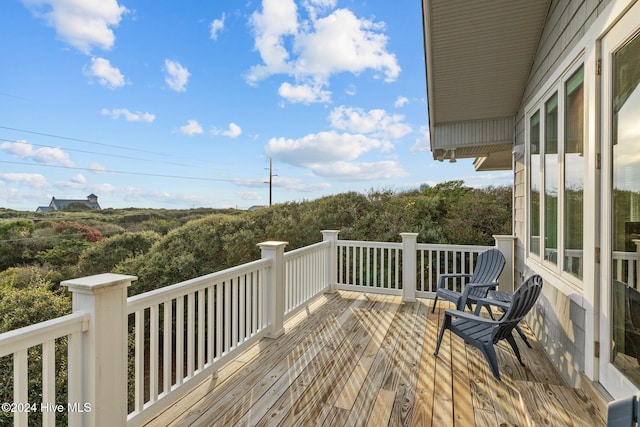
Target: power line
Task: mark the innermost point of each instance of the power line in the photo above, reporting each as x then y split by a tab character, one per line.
92	152
235	181
83	140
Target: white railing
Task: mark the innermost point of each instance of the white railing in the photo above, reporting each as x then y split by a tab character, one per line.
381	267
625	268
306	274
184	331
369	266
434	260
42	337
174	337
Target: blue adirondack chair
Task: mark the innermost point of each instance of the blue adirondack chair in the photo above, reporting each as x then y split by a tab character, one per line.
485	275
483	333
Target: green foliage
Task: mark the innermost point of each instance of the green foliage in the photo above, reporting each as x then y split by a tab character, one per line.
479	215
104	255
66	252
13	241
77	207
32	276
164	247
446	213
24	307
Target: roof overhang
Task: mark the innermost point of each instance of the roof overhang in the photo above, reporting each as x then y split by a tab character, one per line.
478	57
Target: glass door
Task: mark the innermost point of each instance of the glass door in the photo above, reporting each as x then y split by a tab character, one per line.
620	322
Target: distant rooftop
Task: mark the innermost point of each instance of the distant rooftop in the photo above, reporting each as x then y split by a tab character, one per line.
57	204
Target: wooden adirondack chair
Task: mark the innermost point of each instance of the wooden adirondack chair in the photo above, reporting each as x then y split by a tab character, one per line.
483	332
485	275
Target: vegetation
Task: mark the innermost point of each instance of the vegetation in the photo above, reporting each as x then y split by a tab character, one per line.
163	247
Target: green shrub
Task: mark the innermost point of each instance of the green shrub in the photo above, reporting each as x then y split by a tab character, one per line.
104	255
24	307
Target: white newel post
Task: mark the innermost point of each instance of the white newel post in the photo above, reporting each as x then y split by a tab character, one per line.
332	266
505	244
409	266
104	347
274	300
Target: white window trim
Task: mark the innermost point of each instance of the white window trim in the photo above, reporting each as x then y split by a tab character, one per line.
567	283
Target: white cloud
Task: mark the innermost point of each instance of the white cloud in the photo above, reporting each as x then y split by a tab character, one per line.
191	128
249	195
304	93
376	122
34	180
485	179
423	142
234	131
341	42
288	183
177	75
106	74
312	50
279	18
128	115
354	171
80	179
296	184
97	168
217	25
144	196
401	101
323	147
46	155
314	7
334	155
83	24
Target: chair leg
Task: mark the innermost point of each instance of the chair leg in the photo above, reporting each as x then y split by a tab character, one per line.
514	346
523	336
445	325
490	354
433	309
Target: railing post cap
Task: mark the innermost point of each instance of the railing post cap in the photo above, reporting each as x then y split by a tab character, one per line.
272	244
98	283
409	234
504	236
330	231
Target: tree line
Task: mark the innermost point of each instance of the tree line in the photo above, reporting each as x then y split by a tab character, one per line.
163	247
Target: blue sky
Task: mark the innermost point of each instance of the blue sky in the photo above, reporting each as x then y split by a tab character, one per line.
168	104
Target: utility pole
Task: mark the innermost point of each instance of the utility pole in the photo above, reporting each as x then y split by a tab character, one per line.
271	175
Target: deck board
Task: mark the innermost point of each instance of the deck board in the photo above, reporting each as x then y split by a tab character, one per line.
353	359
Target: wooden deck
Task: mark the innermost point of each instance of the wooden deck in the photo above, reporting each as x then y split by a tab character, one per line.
351	359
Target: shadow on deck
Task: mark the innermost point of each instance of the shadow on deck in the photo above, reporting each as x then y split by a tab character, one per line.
352	359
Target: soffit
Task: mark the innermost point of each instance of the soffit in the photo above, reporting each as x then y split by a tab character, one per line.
479	54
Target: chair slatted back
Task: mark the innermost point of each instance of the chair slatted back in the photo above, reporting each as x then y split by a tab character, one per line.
524	298
488	268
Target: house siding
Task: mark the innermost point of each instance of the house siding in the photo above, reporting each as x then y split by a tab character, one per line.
559	320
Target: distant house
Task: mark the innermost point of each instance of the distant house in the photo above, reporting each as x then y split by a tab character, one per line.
56	204
256	207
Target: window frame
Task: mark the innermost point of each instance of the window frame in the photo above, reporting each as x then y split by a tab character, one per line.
538	105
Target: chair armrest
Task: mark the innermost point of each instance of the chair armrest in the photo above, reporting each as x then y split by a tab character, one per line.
473	286
469	316
441	277
482	302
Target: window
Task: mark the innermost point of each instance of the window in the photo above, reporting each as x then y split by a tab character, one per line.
556	176
625	289
551	180
574	173
534	179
